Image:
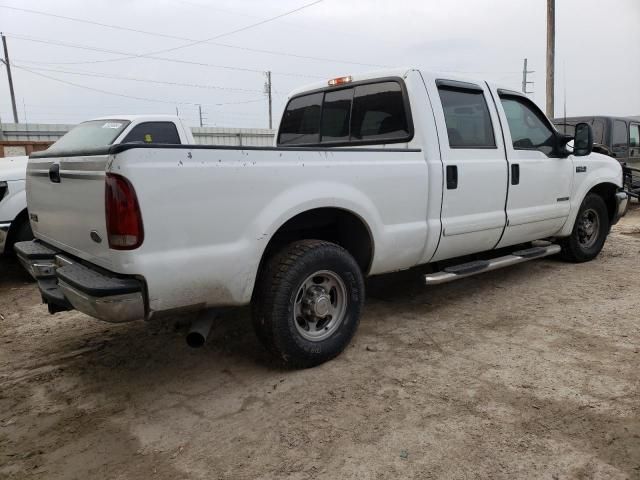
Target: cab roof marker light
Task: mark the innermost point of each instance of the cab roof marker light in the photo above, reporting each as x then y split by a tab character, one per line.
334	82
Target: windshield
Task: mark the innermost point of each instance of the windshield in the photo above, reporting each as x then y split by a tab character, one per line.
90	135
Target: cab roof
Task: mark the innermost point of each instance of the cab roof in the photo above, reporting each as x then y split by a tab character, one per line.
401	72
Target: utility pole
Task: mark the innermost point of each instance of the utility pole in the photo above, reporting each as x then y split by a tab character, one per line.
10	78
267	90
200	114
551	47
526	82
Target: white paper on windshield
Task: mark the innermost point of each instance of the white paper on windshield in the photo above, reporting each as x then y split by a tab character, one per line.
112	125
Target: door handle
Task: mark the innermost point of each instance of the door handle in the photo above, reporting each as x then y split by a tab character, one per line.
452	177
515	174
54	173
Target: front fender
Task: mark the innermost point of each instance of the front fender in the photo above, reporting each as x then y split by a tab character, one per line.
607	172
14	203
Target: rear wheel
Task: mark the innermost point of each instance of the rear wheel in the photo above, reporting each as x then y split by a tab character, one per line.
589	231
307	303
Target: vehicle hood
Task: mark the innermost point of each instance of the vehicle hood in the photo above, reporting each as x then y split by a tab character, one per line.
13	168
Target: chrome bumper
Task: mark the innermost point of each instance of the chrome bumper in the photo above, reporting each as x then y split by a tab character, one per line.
622	199
66	284
4	233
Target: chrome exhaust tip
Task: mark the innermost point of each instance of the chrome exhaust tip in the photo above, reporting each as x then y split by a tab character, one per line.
199	330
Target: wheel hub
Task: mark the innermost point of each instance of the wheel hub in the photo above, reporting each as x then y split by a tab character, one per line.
320	305
317	302
588	228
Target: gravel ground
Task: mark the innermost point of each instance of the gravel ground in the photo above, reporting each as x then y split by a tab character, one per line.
528	372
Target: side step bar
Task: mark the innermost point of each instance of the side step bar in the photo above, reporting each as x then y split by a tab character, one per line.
464	270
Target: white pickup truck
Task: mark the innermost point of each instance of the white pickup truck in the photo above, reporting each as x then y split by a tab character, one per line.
14	219
369	174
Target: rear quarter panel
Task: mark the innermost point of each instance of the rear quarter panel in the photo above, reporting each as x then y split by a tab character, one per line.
209	213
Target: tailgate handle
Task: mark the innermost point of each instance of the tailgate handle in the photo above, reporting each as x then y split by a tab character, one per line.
54	173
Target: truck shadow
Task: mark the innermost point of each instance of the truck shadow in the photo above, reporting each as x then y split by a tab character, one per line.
12	273
130	348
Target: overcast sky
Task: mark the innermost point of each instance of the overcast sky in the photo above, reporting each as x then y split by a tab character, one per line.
597	52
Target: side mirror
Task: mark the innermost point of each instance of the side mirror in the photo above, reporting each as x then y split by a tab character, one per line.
583	140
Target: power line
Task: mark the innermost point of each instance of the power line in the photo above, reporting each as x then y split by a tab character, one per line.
176	37
146	99
135	79
190	43
116	52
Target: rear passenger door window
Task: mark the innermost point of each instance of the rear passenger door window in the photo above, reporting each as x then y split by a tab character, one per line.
467	117
620	138
528	126
634	135
153	132
634	142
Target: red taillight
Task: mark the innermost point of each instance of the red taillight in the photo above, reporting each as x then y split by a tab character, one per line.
124	220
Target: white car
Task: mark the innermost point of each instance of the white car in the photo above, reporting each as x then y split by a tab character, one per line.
370	174
14	221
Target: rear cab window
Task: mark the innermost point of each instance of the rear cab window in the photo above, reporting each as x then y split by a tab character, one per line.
153	132
364	113
90	135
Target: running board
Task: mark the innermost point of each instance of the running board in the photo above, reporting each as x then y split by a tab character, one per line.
464	270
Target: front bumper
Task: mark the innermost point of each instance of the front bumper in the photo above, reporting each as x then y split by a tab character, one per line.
622	199
4	233
66	284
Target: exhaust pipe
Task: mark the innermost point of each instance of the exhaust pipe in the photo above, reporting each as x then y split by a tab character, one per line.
199	330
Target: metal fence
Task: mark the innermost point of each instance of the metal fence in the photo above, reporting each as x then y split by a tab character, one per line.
34	133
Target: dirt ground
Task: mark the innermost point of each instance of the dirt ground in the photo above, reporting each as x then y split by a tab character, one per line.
528	372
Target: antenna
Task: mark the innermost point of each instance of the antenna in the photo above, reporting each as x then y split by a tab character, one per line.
564	94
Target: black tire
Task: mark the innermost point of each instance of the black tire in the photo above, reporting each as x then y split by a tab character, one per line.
280	290
575	248
20	232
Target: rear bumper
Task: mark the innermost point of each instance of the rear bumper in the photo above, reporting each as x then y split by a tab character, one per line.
622	200
67	284
4	233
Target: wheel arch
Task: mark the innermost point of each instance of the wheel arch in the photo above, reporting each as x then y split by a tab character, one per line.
22	216
334	224
607	191
605	187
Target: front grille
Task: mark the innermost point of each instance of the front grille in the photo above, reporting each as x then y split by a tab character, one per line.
4	188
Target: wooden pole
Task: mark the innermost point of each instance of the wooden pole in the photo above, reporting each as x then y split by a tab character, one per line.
551	47
10	78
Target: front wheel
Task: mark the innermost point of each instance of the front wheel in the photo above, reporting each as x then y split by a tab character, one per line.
307	303
589	231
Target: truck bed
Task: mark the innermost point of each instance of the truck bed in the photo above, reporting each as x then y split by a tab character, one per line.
187	193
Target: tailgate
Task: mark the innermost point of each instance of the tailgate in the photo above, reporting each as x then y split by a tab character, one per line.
65	198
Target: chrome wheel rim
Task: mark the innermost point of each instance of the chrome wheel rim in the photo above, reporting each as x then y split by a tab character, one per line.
320	305
588	228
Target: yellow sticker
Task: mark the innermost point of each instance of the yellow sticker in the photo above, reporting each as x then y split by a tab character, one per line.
147	138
